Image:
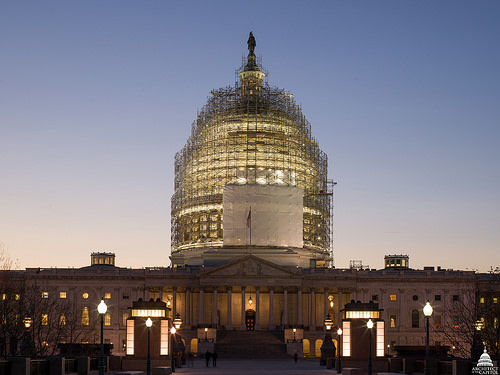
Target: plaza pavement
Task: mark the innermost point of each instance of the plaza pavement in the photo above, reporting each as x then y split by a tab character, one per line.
258	367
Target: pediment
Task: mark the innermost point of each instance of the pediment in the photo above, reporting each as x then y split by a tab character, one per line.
249	265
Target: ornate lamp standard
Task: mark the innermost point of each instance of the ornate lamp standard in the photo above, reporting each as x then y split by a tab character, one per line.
149	323
206	334
339	365
327	349
102	308
427	313
370	326
177	322
294	330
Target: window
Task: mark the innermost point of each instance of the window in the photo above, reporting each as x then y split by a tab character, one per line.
415	319
62	295
85	295
125	296
62	320
45	294
107	319
392	297
107	295
455	297
85	316
437	297
45	319
18	297
481	300
437	343
437	320
124	319
495	300
375	297
415	298
4	297
392	321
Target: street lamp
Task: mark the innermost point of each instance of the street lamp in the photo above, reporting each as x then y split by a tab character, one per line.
102	308
339	365
294	330
427	313
177	321
370	326
172	343
149	323
206	334
327	348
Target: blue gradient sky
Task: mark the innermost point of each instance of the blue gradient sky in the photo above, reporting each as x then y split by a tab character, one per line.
97	96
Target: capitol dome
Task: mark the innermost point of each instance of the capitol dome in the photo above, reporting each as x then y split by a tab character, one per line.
485	360
251	178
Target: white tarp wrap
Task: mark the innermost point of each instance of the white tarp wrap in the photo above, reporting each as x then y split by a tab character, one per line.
276	215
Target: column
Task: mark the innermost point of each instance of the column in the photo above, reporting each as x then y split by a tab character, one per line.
187	313
174	302
214	312
299	307
271	311
257	307
325	302
229	325
285	308
313	310
339	307
242	324
201	321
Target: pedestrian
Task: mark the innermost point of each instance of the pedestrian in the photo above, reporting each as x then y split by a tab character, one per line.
295	357
207	357
214	359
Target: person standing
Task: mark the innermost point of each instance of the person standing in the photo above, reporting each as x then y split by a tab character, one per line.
214	359
207	358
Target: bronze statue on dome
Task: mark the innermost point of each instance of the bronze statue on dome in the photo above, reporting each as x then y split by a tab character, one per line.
251	43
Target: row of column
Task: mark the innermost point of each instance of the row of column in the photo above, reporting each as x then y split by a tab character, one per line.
271	325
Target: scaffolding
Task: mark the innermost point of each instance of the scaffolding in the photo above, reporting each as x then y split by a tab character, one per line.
251	133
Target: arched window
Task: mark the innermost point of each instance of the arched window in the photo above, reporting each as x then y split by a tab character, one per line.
306	347
317	347
415	318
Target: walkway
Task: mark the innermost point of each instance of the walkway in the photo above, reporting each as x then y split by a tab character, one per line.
259	367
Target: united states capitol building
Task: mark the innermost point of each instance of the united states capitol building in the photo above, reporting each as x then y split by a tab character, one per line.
251	239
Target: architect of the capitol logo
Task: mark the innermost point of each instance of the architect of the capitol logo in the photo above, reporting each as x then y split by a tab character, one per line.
485	365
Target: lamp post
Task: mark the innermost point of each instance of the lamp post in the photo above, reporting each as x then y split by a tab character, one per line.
172	351
102	308
177	322
370	326
149	323
206	334
427	314
294	330
339	365
327	348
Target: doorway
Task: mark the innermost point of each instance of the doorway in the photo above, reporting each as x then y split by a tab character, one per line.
250	319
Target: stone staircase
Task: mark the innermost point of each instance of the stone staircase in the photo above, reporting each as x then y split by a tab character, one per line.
250	344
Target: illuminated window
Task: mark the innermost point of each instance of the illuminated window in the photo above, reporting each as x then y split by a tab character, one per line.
45	319
62	320
45	294
85	295
346	338
62	295
164	337
85	316
130	337
481	300
380	338
107	319
495	323
107	295
4	297
392	297
415	319
18	297
124	319
392	321
495	300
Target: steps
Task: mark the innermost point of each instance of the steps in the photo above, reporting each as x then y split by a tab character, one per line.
250	344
